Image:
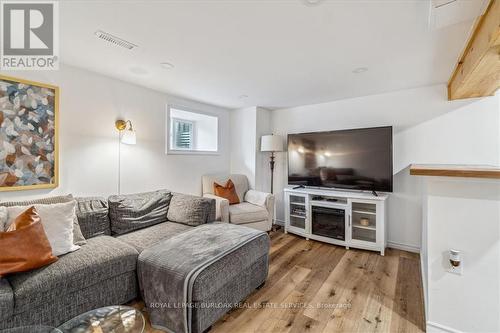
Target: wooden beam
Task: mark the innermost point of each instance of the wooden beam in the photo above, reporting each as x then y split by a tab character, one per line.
477	73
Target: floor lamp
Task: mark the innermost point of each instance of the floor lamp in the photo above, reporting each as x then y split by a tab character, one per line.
126	136
271	143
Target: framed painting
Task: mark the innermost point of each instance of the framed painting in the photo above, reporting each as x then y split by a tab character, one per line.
29	116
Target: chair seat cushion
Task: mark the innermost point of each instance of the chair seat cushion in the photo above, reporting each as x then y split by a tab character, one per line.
102	258
144	238
246	213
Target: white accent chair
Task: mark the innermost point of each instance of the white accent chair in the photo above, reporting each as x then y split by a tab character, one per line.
255	210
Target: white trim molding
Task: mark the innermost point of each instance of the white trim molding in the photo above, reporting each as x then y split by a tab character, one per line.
438	328
404	247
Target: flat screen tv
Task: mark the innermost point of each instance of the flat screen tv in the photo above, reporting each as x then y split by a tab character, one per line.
356	159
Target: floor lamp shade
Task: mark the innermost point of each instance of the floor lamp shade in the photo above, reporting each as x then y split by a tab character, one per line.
271	143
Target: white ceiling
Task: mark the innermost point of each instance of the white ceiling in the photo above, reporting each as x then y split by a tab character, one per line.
278	53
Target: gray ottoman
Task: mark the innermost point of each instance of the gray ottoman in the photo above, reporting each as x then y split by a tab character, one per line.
191	280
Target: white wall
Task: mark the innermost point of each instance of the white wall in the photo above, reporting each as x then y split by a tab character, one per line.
262	168
243	145
464	215
427	129
90	103
247	127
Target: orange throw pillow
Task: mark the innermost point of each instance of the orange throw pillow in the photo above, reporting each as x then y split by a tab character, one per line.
227	192
24	246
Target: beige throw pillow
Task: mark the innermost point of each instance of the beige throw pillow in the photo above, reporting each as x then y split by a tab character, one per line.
57	221
78	238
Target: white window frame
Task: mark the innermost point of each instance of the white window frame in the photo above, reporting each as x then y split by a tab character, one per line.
168	136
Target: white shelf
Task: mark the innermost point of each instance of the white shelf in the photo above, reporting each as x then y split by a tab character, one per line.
368	227
297	216
297	203
364	212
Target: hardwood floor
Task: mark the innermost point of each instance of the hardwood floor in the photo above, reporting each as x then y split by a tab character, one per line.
317	287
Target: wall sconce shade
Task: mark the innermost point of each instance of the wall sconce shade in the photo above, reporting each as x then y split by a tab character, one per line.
128	136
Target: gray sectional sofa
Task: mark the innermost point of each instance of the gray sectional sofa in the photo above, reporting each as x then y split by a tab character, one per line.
104	270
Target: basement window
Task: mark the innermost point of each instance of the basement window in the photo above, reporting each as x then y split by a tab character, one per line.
191	132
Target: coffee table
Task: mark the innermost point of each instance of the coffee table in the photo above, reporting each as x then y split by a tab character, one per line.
110	319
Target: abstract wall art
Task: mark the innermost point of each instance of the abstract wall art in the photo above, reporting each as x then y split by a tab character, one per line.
28	135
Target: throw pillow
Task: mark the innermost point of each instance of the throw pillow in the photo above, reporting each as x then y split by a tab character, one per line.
24	246
78	238
189	209
57	221
227	192
136	211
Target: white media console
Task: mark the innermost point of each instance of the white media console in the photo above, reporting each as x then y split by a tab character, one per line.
350	219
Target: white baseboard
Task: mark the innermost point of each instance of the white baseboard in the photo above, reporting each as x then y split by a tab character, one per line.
404	247
438	328
279	222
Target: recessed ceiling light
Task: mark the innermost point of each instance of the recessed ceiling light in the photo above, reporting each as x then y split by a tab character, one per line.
359	70
167	65
312	2
243	96
137	70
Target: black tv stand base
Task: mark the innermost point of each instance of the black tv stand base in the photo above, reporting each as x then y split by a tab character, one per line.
374	193
300	186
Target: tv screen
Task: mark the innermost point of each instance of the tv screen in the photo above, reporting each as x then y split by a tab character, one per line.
357	159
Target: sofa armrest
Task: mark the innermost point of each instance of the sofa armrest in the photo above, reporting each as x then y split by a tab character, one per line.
190	209
222	207
6	300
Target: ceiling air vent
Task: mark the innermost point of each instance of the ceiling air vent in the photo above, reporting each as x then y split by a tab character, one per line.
114	40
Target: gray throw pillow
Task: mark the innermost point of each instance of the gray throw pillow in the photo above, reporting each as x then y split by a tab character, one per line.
78	238
136	211
189	209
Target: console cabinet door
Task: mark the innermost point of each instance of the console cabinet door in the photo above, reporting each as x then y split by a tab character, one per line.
297	212
364	228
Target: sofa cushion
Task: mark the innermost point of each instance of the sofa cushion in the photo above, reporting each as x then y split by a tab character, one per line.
246	213
6	299
92	214
147	237
190	210
136	211
100	259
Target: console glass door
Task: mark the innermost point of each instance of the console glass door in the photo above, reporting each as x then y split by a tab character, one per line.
297	211
364	222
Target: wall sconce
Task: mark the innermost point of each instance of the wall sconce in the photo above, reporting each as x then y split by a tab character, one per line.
127	135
